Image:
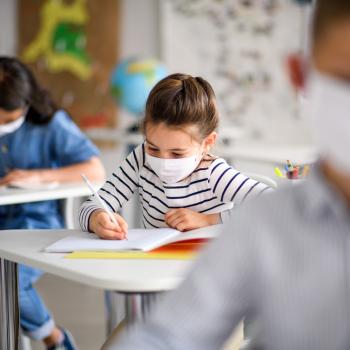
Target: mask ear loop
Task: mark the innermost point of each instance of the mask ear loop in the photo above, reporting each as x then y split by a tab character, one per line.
205	152
200	158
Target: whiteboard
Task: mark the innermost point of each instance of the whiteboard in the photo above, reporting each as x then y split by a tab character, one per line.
239	46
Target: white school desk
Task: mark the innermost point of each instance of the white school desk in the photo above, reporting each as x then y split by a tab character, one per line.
138	280
66	192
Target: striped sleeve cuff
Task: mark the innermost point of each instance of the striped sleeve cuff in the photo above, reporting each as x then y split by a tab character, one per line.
84	215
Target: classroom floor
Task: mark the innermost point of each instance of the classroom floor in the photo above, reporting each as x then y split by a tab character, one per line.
81	310
76	307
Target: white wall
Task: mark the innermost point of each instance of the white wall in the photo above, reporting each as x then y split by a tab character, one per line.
8	27
243	57
140	28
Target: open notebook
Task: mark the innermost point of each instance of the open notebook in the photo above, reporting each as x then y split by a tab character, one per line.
138	239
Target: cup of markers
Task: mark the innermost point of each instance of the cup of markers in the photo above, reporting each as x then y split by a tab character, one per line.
293	172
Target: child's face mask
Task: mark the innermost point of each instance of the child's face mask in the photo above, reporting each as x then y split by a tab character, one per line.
173	170
329	103
12	126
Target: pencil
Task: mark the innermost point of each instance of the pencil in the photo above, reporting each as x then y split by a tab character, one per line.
102	203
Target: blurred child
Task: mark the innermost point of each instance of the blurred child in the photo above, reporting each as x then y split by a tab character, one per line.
38	144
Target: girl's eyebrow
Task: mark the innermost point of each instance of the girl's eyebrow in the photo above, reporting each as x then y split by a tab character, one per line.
152	144
178	149
173	149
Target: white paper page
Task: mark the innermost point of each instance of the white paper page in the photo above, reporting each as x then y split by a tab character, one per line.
208	232
138	239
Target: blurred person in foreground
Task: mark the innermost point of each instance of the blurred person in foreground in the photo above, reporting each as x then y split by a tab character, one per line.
284	259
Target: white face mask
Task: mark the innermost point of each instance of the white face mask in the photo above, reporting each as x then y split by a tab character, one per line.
12	126
329	106
173	170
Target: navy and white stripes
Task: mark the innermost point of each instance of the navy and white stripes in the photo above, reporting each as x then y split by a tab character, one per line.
212	188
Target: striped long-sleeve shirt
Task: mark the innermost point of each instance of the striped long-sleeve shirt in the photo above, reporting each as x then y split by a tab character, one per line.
214	187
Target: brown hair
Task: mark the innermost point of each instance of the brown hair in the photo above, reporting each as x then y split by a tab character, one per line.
20	89
180	100
328	12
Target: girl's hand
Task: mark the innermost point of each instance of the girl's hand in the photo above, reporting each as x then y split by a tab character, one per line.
185	219
101	224
22	176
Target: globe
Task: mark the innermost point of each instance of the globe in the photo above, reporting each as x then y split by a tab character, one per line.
132	80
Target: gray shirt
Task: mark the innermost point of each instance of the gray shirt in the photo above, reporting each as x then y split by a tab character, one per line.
283	261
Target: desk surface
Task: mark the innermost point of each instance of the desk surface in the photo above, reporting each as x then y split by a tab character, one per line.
26	247
15	196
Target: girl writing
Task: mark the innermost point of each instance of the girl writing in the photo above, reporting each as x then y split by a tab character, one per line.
39	143
180	184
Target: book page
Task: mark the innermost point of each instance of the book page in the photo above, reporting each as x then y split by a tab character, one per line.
138	239
208	232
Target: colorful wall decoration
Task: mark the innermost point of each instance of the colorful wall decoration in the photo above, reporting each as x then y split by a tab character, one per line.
72	45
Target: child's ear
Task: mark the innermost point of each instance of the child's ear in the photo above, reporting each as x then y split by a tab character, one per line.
210	141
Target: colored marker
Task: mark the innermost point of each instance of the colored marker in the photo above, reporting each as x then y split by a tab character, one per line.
295	173
306	170
278	172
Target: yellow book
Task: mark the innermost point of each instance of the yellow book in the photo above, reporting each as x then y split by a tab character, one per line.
185	255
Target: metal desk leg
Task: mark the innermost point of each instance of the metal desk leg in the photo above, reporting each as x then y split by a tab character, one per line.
137	305
68	213
115	310
9	310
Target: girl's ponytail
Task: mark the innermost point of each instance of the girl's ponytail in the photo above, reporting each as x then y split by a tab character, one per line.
42	106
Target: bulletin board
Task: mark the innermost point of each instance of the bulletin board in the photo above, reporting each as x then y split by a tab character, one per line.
240	47
72	47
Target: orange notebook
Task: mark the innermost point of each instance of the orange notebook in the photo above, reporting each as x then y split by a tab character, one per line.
173	251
